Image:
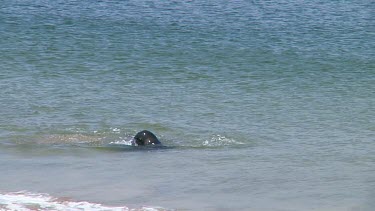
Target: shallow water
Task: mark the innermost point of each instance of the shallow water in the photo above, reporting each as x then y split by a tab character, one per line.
259	105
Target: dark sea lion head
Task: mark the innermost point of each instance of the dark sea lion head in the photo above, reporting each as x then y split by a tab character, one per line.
146	137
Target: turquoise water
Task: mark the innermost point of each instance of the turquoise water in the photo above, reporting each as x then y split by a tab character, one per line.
262	105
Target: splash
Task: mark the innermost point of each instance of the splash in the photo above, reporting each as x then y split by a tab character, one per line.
122	142
24	201
219	140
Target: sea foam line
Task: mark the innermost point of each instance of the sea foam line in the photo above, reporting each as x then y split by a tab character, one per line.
24	201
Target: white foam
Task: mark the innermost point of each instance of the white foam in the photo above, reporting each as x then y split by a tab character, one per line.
219	140
24	201
116	130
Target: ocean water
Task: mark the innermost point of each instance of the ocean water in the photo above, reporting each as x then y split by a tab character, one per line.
260	105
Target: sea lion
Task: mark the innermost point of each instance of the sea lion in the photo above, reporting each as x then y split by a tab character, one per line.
145	137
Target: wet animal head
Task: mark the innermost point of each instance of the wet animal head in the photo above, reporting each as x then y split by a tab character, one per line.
146	137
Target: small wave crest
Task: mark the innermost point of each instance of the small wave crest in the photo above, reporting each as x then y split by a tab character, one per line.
114	138
24	201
